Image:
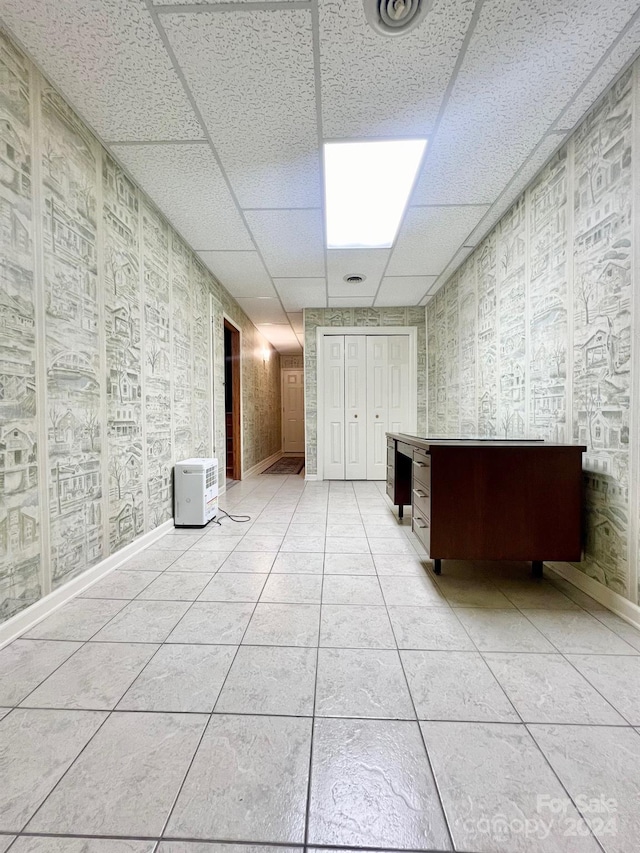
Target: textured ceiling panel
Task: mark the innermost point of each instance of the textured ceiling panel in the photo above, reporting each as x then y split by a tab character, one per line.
186	183
108	60
282	337
456	261
429	237
291	241
524	62
252	76
263	310
367	262
375	85
299	293
297	321
353	302
242	273
403	290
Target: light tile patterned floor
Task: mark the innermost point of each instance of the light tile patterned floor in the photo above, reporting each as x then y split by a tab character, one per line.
303	682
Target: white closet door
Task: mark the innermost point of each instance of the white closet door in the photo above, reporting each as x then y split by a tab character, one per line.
355	406
333	420
377	405
399	419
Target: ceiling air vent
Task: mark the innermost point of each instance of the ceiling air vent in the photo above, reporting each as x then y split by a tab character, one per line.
354	279
395	17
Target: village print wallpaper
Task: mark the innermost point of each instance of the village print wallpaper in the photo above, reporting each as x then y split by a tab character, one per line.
108	326
532	336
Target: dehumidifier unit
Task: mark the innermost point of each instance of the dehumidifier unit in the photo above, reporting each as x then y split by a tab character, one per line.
196	492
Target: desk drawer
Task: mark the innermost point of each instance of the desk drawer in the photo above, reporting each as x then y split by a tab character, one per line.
391	456
421	470
421	527
421	500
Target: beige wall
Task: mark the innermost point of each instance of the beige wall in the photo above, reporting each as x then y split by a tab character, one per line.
106	344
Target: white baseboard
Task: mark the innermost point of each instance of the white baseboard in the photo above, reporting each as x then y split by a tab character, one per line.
29	617
613	601
310	476
262	466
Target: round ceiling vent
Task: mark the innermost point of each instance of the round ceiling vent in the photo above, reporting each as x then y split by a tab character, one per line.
395	17
354	279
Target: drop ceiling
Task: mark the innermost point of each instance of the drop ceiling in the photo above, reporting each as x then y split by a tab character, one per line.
219	111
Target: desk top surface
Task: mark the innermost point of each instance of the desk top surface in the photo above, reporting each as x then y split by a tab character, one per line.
477	441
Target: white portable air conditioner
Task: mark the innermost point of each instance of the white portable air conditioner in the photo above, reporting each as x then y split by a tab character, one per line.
196	492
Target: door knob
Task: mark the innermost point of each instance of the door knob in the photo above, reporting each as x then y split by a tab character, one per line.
377	416
355	416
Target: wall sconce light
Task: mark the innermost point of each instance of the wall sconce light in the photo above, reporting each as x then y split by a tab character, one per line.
266	355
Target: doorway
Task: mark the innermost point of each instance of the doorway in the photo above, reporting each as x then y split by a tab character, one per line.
232	399
293	411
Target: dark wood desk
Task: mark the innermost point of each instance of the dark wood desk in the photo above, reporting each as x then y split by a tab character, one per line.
489	500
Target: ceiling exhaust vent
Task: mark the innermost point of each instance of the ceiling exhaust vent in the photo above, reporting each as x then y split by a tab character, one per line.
395	17
354	279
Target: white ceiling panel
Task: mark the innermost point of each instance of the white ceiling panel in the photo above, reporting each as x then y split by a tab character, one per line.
297	321
456	261
354	302
186	183
367	88
109	61
252	76
282	337
291	241
429	237
299	293
370	263
242	273
524	62
261	310
403	290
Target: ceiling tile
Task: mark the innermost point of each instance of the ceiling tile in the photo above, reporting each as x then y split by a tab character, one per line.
430	236
299	293
186	183
457	260
524	62
282	337
252	76
109	62
263	310
353	302
368	262
242	273
403	290
297	321
291	241
367	87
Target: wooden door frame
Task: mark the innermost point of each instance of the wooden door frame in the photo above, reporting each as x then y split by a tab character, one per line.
236	395
284	370
323	332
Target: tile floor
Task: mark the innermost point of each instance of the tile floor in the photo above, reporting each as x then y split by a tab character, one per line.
303	682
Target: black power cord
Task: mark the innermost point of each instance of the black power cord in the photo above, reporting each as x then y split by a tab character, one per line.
239	519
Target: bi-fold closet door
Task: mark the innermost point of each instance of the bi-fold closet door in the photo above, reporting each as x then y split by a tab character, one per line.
366	394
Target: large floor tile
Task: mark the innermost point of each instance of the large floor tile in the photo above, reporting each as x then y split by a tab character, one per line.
353	530
127	778
463	592
175	543
79	620
579	633
36	748
180	678
411	592
356	626
617	678
362	683
284	625
212	847
371	785
216	543
502	631
248	781
346	545
349	564
95	678
623	629
401	564
292	589
535	594
346	589
248	562
547	689
455	686
435	628
200	561
143	622
259	543
294	543
120	584
298	564
176	586
5	842
380	545
596	762
52	844
234	587
25	663
270	680
216	622
149	561
491	777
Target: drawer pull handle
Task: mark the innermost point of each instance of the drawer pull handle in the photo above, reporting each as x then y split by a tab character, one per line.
419	493
419	464
421	524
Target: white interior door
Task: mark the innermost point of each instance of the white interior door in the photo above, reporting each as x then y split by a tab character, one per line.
334	414
377	405
292	410
399	411
355	405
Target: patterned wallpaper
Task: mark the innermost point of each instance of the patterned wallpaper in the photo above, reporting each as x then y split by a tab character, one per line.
105	365
532	336
314	317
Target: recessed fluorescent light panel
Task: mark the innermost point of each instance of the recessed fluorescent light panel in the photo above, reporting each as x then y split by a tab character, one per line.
367	186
